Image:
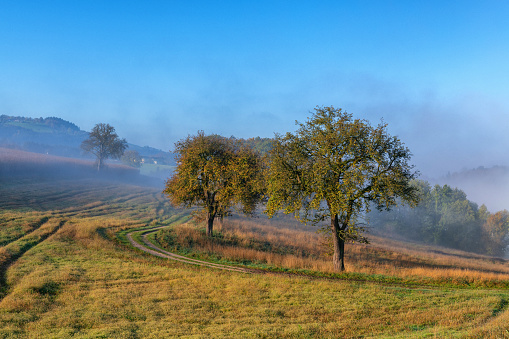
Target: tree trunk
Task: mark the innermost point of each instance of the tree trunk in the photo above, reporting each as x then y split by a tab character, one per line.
210	223
339	246
211	212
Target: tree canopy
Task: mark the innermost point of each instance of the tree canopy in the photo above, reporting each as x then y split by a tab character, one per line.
334	168
104	143
215	174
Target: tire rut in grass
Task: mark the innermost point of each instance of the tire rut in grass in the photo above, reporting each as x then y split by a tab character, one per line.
152	249
12	252
35	226
501	307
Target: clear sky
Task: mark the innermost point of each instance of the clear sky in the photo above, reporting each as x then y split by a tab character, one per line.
436	71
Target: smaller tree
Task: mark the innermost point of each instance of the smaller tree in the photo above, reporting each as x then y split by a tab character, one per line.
104	143
131	158
215	174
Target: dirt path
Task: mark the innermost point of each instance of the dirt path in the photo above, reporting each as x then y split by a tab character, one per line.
150	248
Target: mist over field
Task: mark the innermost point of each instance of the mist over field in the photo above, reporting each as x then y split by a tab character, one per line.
163	230
489	186
57	137
160	72
17	164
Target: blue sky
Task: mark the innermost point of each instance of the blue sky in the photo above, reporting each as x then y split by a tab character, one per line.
436	71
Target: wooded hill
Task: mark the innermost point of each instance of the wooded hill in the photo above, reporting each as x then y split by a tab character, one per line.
445	217
484	185
56	136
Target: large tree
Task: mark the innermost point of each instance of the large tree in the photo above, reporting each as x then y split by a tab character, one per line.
104	143
215	174
335	168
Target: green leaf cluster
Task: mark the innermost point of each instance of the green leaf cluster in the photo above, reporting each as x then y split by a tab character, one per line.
337	165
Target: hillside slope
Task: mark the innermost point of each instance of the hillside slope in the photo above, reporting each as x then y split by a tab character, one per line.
56	136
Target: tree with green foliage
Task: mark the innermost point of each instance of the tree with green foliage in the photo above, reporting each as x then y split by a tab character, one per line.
104	143
459	225
333	168
215	174
131	158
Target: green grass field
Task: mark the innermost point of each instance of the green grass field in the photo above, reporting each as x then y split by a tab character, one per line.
65	272
156	170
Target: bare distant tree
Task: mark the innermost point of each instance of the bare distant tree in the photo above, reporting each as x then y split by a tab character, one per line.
104	143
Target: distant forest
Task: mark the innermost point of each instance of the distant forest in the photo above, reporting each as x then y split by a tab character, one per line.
445	217
56	136
41	135
49	125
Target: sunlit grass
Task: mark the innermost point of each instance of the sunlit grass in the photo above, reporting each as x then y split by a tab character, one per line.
78	283
259	245
83	281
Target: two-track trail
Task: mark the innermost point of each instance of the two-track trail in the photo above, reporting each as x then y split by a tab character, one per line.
145	245
149	247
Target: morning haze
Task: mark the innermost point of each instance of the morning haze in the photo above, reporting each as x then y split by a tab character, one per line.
225	110
157	73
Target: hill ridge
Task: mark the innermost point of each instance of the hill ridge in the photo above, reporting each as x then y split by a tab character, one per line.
56	136
53	123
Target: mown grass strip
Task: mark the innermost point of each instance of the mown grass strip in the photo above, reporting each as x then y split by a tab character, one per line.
12	252
31	227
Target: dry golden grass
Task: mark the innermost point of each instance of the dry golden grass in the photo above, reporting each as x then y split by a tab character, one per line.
80	282
301	249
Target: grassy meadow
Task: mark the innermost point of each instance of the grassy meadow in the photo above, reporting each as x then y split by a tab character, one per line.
284	245
65	272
